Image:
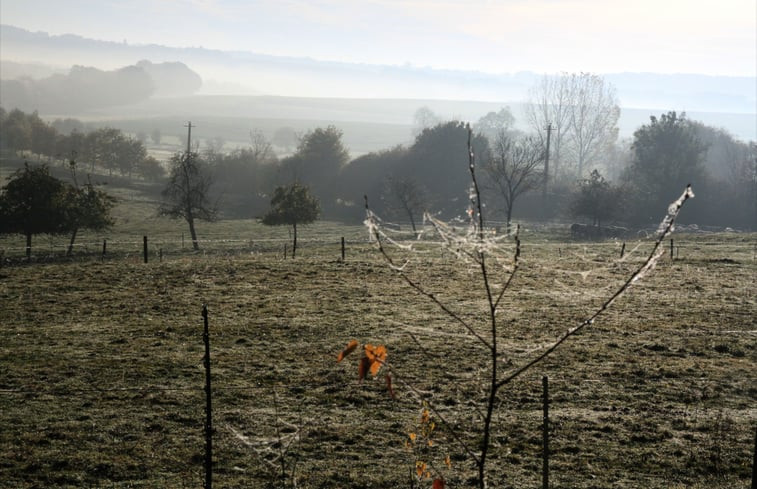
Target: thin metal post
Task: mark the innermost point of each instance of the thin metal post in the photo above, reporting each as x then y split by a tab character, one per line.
545	435
546	169
623	249
208	410
342	248
144	247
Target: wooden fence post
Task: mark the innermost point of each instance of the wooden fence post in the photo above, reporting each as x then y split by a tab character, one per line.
105	248
671	250
208	410
342	248
144	247
623	249
545	435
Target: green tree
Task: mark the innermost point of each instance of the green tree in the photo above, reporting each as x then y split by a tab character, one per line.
292	205
151	169
318	161
16	131
87	208
667	155
434	159
187	193
596	199
43	136
33	202
494	123
130	153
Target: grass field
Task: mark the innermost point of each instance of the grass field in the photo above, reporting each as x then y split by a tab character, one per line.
101	375
101	372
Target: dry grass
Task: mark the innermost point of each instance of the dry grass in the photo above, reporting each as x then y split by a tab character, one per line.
101	368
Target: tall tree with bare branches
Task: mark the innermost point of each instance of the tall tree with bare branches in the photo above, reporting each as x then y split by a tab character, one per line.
583	112
514	167
594	114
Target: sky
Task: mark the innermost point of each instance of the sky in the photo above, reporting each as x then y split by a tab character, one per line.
713	37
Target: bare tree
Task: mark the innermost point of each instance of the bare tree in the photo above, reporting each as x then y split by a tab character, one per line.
261	148
583	112
594	114
514	168
187	193
549	104
405	196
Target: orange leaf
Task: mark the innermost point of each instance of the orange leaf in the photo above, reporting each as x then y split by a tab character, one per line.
425	415
368	348
375	367
448	462
438	484
347	350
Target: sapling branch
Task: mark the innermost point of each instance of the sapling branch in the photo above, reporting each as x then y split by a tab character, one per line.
417	286
666	227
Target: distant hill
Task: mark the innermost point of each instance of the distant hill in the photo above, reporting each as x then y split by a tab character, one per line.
171	79
85	88
278	75
363	92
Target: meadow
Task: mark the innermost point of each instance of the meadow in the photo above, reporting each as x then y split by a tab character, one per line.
101	375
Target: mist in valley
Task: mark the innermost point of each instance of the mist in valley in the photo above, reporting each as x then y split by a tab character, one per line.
384	116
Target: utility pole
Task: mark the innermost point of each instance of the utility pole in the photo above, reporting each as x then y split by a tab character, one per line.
189	136
546	166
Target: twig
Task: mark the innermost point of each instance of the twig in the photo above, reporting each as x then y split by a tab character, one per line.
666	227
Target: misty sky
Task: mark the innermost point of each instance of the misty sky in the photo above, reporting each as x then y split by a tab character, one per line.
716	37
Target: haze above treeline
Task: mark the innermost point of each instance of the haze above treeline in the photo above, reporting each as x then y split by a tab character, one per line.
187	82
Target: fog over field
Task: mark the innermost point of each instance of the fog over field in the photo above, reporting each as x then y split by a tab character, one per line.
426	244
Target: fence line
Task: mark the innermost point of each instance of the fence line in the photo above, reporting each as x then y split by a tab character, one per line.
182	242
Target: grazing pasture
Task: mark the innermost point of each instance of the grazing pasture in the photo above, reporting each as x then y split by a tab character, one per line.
101	376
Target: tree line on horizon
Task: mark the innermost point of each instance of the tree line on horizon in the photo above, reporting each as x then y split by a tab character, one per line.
64	140
590	174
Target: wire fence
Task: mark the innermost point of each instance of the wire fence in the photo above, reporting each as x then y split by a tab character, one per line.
161	248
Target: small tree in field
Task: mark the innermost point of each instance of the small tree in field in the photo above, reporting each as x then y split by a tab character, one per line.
88	208
405	197
292	205
187	193
514	168
595	199
33	202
